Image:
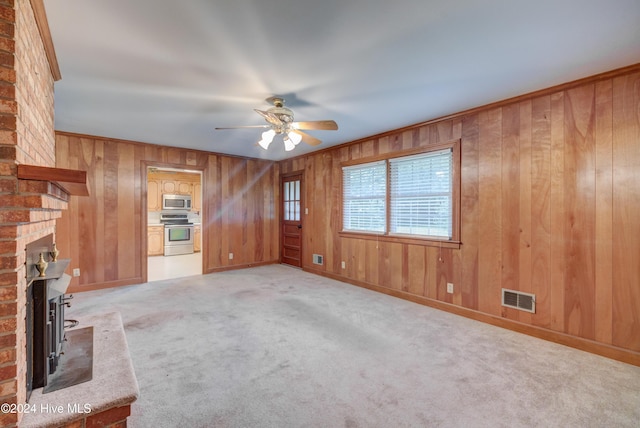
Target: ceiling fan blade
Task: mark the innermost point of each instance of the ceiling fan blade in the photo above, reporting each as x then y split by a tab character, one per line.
269	117
245	126
328	125
312	141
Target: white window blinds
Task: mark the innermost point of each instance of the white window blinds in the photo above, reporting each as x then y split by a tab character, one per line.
421	194
364	190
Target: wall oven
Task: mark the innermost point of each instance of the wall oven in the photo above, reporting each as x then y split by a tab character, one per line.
178	234
176	202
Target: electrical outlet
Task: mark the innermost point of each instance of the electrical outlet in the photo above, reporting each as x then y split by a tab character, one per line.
344	264
76	272
230	256
450	287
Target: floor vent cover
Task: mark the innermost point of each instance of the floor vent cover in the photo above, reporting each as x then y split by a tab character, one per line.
318	259
519	300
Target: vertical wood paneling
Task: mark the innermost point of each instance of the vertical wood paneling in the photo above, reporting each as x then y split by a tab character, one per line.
103	233
604	212
626	206
212	203
442	132
271	248
125	212
252	215
540	213
410	139
385	144
525	271
556	198
226	211
469	223
490	211
510	202
369	148
109	218
580	211
330	247
359	258
417	270
432	261
390	268
322	243
549	191
455	273
372	260
445	274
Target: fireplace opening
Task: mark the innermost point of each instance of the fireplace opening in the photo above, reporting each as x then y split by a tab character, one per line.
55	358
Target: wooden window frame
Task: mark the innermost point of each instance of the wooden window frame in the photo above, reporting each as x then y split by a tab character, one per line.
453	242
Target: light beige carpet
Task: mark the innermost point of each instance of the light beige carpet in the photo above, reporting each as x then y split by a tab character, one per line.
277	347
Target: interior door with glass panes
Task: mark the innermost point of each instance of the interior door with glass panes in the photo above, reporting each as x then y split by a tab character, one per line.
291	239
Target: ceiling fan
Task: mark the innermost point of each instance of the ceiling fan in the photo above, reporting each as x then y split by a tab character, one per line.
280	122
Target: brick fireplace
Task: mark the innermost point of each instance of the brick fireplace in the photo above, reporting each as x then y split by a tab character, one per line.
33	193
28	208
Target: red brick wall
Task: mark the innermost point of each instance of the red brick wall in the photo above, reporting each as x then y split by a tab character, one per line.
26	137
34	92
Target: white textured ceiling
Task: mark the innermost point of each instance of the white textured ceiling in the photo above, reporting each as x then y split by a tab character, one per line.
168	72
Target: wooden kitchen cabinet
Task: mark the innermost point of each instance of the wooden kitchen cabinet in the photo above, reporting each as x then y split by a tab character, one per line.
177	187
154	195
184	188
155	240
169	186
197	238
178	183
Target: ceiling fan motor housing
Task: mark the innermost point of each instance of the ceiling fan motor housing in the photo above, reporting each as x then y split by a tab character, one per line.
280	121
284	114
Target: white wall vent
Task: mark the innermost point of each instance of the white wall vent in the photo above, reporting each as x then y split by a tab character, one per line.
519	300
318	259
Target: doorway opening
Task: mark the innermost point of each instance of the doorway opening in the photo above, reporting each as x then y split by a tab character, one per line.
174	223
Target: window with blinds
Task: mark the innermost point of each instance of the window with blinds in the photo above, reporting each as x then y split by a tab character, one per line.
410	196
420	194
364	193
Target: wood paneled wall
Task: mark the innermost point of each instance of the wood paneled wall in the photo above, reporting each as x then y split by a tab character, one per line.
550	205
105	234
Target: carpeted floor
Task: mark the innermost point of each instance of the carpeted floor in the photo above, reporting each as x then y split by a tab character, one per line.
274	346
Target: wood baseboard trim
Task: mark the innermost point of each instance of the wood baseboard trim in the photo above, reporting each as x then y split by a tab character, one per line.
138	280
102	285
242	266
604	350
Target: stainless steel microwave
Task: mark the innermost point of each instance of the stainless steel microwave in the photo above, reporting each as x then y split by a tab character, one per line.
176	202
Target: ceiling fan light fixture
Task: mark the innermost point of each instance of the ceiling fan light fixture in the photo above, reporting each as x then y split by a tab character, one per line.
280	122
289	144
295	137
267	138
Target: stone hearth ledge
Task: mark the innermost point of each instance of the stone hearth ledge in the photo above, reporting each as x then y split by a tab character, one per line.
113	385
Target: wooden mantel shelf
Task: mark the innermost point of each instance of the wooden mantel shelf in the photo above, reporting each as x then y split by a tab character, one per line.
72	181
